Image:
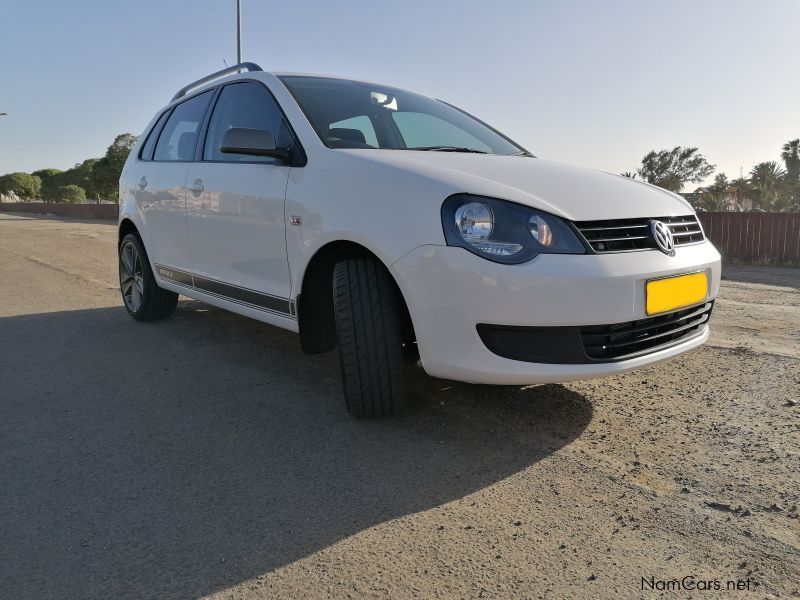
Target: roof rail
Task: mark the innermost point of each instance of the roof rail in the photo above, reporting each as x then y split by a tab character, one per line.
245	66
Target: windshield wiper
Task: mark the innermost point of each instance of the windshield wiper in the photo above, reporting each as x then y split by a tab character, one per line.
522	153
449	149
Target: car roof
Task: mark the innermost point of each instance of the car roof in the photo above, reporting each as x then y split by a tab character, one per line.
215	79
324	76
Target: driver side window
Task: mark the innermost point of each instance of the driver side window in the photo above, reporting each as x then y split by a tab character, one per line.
355	129
250	106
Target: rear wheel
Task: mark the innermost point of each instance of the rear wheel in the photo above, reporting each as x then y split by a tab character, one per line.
143	299
368	313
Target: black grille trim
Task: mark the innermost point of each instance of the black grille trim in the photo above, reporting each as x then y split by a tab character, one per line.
622	341
626	235
572	345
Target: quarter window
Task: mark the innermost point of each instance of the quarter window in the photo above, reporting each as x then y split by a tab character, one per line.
178	138
150	144
250	106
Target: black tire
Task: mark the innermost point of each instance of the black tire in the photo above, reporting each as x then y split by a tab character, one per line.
368	311
136	282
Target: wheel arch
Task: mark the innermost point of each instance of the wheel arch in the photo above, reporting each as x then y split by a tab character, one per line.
315	300
127	226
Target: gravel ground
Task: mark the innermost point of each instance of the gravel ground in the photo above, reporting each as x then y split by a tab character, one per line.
206	456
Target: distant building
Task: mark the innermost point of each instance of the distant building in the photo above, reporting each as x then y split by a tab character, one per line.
702	198
694	197
10	197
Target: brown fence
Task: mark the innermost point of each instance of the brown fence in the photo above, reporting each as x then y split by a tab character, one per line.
81	211
755	238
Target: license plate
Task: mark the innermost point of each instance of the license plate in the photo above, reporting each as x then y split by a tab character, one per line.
671	293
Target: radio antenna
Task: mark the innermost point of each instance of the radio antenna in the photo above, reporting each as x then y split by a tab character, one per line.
238	32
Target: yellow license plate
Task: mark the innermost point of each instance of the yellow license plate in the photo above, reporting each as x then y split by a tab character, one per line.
671	293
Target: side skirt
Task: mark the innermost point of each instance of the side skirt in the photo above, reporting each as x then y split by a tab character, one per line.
250	303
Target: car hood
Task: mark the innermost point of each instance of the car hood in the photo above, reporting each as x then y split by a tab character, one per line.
575	193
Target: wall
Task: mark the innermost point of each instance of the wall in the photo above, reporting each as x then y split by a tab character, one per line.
83	211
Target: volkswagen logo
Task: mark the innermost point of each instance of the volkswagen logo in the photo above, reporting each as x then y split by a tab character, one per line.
663	237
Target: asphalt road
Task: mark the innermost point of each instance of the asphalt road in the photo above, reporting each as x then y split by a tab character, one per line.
207	456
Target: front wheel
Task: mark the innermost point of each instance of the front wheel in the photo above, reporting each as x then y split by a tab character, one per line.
143	299
368	313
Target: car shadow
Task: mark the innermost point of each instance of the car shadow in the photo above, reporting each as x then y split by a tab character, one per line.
176	459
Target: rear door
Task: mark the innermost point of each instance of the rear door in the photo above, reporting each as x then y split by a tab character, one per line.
235	206
161	183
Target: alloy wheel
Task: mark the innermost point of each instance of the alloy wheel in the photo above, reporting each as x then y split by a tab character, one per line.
131	280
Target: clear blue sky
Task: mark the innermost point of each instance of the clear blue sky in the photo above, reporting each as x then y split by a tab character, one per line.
592	83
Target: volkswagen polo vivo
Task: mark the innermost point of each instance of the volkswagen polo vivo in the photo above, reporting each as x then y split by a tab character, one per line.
395	226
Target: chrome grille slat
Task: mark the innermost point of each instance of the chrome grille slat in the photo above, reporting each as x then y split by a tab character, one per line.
618	227
621	235
619	239
680	223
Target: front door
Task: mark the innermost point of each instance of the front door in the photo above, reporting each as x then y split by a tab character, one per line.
235	206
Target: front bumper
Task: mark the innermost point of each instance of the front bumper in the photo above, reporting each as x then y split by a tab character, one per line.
449	291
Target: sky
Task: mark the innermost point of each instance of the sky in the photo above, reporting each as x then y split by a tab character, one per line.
589	82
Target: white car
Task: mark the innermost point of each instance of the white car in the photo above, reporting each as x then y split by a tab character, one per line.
393	225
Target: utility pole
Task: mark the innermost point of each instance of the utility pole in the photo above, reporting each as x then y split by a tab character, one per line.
238	32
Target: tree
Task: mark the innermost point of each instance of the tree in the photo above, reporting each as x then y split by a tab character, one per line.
24	186
793	196
711	202
73	194
672	169
50	183
742	191
791	157
785	198
717	196
82	174
102	180
107	170
720	184
767	180
629	175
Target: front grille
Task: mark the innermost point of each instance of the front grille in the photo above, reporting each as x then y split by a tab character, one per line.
621	235
626	340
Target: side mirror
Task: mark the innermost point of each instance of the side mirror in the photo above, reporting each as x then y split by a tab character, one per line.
255	142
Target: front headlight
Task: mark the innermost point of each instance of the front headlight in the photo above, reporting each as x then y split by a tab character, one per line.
503	231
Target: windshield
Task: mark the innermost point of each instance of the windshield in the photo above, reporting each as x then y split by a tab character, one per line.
351	114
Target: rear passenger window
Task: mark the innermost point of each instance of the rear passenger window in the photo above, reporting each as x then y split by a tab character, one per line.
177	140
150	144
246	105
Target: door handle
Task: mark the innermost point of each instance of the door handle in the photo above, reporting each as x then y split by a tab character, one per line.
197	186
142	183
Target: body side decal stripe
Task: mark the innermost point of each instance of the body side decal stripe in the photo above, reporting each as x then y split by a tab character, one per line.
225	291
175	275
